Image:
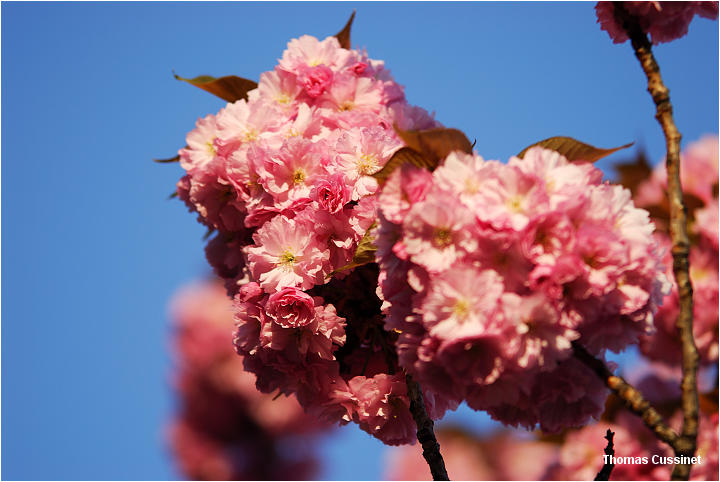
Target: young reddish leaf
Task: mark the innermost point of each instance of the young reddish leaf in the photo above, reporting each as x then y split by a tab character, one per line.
364	254
229	88
633	172
343	35
660	213
402	156
170	159
708	402
573	149
435	144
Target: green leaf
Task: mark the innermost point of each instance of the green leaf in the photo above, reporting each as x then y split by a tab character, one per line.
174	194
229	88
573	149
343	35
435	144
404	155
364	254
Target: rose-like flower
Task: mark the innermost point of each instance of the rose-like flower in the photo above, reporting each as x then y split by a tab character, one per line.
331	193
291	307
316	80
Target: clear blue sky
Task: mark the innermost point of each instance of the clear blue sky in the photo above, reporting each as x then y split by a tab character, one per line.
92	249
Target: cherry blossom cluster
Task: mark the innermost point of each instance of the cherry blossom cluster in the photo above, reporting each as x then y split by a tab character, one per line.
284	180
699	174
226	429
663	21
490	271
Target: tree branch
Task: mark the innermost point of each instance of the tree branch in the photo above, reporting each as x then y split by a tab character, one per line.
678	235
605	472
630	396
425	433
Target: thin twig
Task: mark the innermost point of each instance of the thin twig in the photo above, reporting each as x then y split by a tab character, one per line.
630	396
425	433
609	463
678	235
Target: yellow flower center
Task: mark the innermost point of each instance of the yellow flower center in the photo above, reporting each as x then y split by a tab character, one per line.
251	135
283	99
347	105
299	176
471	186
461	309
443	237
210	147
514	204
367	164
286	260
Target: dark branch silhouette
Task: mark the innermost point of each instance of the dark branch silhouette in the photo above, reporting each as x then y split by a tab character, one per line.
425	433
605	472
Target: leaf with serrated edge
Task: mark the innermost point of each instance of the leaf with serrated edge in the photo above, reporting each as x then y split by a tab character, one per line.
229	88
574	150
404	155
343	35
435	144
364	254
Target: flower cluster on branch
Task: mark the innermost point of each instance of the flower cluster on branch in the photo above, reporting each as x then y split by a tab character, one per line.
490	271
284	179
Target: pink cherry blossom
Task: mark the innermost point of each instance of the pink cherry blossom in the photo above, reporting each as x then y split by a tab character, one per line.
315	80
200	148
490	271
663	21
287	254
291	308
331	193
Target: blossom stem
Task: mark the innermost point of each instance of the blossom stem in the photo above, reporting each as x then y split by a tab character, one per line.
630	396
425	433
678	235
607	468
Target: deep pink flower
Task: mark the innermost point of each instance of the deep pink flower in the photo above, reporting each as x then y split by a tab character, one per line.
315	80
663	21
291	307
331	193
383	408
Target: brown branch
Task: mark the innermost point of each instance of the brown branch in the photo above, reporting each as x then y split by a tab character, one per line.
609	463
425	433
678	235
630	396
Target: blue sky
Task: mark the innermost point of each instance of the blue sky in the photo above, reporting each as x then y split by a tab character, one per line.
92	249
